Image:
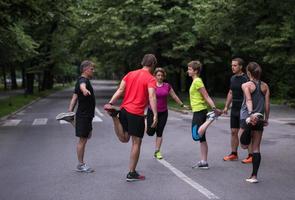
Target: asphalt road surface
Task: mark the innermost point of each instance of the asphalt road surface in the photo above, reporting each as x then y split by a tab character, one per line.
38	159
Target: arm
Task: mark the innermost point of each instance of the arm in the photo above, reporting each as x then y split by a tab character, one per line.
175	97
247	92
84	89
267	105
153	104
120	91
209	101
228	101
73	102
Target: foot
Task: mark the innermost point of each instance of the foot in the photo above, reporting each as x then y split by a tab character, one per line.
231	157
211	116
111	110
68	116
248	160
201	165
259	118
158	155
84	168
134	176
252	179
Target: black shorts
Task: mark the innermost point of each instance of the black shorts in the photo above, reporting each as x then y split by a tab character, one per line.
162	119
257	127
235	118
133	124
83	126
199	118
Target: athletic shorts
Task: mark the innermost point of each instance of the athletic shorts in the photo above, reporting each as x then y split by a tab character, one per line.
162	119
235	118
83	126
131	123
199	118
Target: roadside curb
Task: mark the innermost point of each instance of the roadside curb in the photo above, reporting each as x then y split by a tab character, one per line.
20	109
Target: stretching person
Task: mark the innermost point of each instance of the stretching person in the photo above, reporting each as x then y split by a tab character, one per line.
256	104
235	96
138	88
199	100
162	91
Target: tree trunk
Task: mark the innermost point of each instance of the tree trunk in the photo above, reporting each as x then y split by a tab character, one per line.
29	83
13	78
23	77
47	80
4	78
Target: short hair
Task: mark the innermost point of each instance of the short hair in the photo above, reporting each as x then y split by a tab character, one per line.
149	60
254	69
240	61
160	69
84	64
196	66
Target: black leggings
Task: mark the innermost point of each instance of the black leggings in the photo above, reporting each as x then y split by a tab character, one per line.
162	119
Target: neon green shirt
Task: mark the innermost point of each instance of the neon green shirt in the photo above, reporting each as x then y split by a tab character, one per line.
197	101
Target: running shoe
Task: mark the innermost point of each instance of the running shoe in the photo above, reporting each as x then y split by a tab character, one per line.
259	117
252	180
201	165
68	116
84	168
158	155
112	110
248	160
134	176
231	157
211	116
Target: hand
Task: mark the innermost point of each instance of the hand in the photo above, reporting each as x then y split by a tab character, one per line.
86	92
253	120
218	112
155	121
225	110
265	123
186	107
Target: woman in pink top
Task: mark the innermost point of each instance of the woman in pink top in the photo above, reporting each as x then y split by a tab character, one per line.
162	91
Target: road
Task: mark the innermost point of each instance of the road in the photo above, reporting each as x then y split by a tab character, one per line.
38	159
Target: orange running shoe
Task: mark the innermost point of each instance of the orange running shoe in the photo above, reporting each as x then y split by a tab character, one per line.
248	160
230	157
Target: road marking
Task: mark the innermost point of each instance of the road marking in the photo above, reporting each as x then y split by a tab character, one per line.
188	180
40	121
95	119
12	122
98	112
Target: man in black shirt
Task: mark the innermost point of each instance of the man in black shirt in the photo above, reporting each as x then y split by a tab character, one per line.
235	96
84	95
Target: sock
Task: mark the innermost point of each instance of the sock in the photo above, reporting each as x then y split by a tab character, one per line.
256	163
250	155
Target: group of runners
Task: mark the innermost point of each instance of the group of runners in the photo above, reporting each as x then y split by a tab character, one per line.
145	88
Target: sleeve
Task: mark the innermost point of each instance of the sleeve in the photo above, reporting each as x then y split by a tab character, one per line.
152	83
198	84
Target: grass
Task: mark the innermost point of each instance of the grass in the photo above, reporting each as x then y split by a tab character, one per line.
12	104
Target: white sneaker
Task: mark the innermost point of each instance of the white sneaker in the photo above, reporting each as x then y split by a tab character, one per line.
84	168
252	180
68	116
211	116
259	116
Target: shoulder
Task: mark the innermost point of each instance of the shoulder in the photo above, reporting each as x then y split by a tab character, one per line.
264	87
82	79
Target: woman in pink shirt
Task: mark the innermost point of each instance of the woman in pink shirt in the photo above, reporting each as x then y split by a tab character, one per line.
162	91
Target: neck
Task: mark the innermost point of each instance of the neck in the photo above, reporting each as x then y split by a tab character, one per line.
85	76
159	83
240	73
195	76
147	68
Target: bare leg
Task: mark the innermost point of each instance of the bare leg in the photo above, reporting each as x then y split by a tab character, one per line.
81	149
204	150
134	154
234	139
204	127
123	136
158	143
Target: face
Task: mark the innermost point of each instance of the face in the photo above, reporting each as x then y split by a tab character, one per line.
236	68
89	71
160	77
191	72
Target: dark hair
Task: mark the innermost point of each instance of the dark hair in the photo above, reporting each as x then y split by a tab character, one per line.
196	66
84	64
160	69
240	61
254	69
149	60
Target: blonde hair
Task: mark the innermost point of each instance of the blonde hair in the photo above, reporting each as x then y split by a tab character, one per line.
196	66
160	69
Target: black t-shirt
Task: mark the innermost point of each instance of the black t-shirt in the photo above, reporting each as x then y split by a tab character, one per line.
237	92
86	104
